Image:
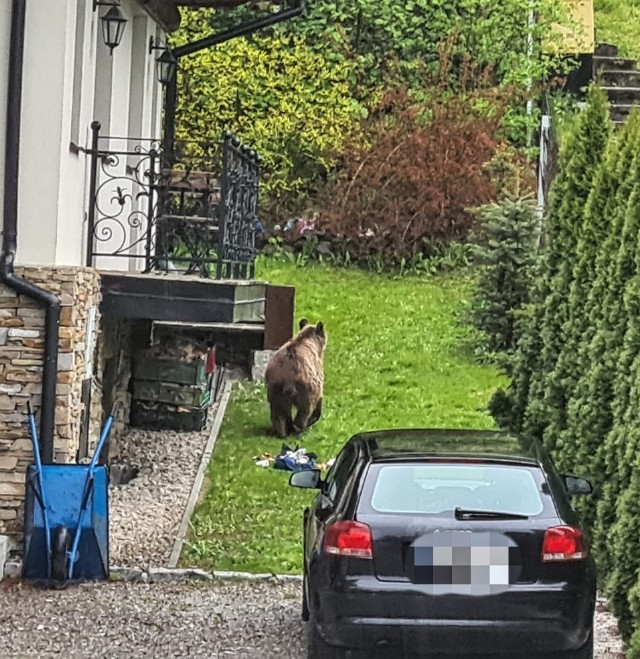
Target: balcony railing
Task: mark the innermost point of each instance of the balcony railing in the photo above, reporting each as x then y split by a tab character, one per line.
196	216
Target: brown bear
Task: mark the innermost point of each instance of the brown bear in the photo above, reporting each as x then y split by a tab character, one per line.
295	378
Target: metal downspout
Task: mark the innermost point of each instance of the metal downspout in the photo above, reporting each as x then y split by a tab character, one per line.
10	233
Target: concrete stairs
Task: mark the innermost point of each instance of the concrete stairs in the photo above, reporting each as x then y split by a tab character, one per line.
619	78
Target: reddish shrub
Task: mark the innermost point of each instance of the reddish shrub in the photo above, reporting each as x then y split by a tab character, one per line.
423	167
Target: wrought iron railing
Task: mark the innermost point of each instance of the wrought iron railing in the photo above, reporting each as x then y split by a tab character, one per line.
194	212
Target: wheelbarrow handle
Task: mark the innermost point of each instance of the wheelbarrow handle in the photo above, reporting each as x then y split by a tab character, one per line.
103	438
88	488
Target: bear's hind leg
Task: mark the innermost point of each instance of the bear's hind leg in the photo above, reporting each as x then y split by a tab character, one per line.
281	420
291	429
301	422
317	413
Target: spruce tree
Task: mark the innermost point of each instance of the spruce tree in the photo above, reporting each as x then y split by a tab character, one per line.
623	545
582	146
547	401
587	369
633	650
598	218
506	243
618	336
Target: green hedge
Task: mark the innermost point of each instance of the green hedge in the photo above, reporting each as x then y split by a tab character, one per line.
297	91
577	384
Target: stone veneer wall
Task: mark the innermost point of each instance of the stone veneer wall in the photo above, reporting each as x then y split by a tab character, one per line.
116	350
21	349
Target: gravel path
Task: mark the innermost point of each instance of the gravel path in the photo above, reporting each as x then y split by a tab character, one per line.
213	620
145	514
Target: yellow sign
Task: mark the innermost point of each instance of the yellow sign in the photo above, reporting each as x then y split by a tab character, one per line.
578	37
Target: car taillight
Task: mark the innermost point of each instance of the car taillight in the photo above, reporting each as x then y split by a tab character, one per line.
347	538
563	543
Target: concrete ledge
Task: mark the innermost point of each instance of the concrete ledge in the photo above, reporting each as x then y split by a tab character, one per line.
190	575
175	575
199	479
260	359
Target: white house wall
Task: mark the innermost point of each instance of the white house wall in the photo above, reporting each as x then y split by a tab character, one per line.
43	91
5	28
70	244
118	90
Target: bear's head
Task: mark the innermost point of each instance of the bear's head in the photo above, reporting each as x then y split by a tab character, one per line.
313	333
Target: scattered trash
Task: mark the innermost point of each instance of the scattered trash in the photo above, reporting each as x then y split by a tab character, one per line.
297	226
295	459
264	460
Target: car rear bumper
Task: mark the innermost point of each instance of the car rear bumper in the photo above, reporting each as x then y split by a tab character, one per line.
533	619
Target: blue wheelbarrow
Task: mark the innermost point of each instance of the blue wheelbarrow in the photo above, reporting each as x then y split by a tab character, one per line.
66	530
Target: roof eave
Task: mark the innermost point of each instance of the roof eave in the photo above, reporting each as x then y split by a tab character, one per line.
164	12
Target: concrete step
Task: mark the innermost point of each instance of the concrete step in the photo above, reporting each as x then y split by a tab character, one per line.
606	50
621	111
614	64
623	95
619	78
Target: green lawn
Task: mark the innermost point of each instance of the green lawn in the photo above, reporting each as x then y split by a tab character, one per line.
393	360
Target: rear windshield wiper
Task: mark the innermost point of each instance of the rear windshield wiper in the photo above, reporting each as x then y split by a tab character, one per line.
463	513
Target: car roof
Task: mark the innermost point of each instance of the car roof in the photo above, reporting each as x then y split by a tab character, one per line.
421	443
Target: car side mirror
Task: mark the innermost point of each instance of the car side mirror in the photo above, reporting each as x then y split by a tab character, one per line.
308	479
576	486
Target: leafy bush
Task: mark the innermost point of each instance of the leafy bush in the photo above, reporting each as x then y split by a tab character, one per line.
278	95
295	91
616	21
389	42
320	247
402	188
506	251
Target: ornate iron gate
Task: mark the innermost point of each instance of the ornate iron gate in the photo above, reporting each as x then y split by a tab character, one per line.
198	216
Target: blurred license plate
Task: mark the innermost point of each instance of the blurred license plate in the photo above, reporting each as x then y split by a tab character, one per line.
464	563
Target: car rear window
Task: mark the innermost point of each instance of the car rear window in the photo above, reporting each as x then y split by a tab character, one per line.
436	488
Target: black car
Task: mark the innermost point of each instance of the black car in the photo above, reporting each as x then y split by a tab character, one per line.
446	543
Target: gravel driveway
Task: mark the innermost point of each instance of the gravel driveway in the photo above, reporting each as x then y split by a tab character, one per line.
145	514
130	620
213	620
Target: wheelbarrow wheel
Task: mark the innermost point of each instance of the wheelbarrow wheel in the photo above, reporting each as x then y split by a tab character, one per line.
61	544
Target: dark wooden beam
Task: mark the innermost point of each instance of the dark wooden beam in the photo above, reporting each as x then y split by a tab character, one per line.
164	12
164	298
223	4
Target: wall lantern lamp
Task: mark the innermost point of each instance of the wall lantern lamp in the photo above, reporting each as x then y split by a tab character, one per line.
113	23
166	64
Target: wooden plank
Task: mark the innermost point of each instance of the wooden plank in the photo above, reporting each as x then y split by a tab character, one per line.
257	328
279	310
167	392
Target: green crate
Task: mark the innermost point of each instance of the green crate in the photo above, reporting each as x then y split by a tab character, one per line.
159	416
169	370
176	394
